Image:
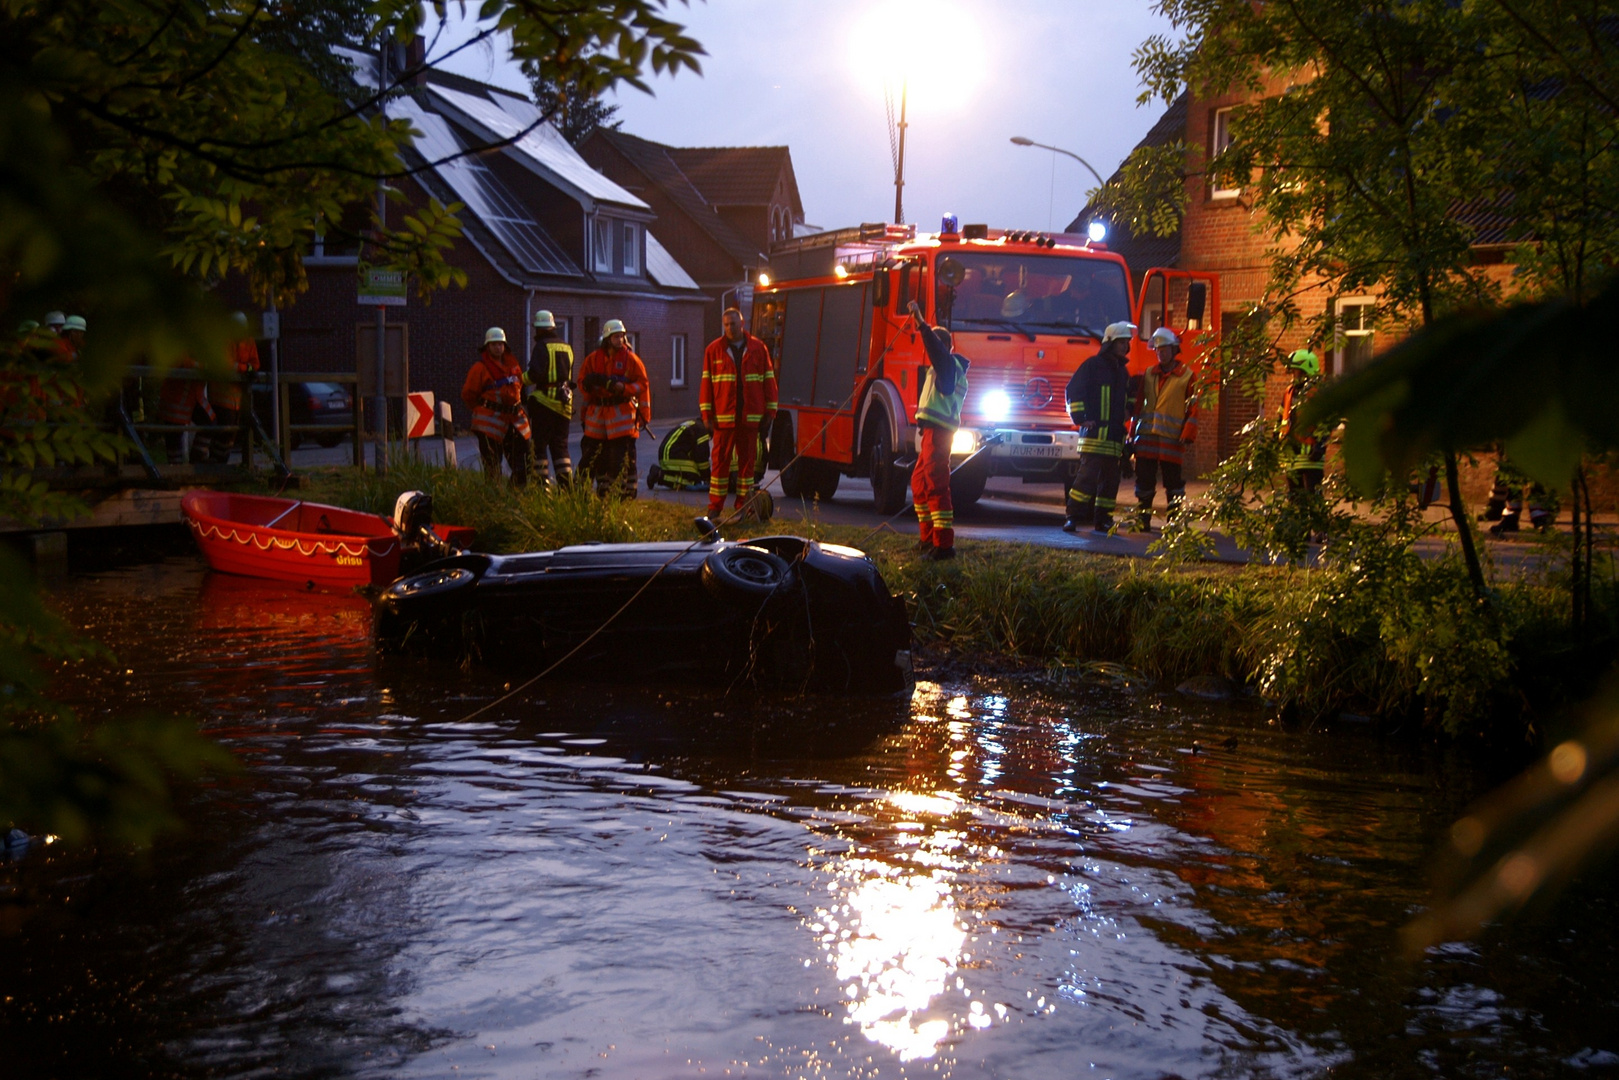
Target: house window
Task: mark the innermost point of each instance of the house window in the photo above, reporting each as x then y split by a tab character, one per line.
634	338
593	331
1353	332
1220	187
632	249
565	328
602	233
677	360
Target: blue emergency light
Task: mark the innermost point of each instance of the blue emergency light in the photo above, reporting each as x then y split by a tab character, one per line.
950	225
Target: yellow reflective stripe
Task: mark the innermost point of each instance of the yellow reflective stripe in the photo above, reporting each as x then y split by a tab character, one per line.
1106	412
1106	447
722	378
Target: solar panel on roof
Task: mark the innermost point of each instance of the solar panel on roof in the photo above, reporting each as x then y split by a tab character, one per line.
492	201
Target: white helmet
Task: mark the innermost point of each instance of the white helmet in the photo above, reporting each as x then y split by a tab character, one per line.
494	333
74	322
54	319
1165	336
614	326
1118	330
544	320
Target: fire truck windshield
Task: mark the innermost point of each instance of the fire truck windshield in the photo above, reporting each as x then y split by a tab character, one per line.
1033	294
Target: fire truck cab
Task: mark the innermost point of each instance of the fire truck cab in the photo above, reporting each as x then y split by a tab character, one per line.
1026	308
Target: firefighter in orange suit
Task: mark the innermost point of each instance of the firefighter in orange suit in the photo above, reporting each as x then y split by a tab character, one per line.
184	401
736	397
226	397
938	415
494	392
618	403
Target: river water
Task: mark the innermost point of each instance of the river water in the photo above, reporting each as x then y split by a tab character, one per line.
982	880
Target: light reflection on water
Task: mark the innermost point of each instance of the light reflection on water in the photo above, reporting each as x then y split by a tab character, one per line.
601	880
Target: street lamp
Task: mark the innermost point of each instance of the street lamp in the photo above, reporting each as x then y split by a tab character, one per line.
1021	141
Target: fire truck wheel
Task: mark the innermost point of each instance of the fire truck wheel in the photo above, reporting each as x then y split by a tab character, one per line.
792	479
890	486
822	481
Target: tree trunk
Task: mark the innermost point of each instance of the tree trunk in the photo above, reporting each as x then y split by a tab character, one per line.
1464	525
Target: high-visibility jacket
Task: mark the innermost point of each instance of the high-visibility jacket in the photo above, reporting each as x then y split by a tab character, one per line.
550	368
228	395
1301	449
617	394
944	386
494	391
732	393
1165	411
1099	404
179	398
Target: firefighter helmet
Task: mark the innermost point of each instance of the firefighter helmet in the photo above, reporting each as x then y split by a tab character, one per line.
614	326
494	333
544	320
1306	361
74	322
1118	330
1165	336
54	319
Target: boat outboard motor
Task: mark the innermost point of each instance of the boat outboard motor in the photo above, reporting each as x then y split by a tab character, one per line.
413	521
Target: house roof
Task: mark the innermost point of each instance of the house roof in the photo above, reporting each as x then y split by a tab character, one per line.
662	268
1144	252
738	175
542	150
655	162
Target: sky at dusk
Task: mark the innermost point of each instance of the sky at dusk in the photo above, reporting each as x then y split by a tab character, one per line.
811	74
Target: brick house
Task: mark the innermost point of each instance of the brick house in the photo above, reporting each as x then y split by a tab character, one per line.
719	209
1221	234
541	230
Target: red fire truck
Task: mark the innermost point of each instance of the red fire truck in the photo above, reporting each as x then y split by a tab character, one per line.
1026	308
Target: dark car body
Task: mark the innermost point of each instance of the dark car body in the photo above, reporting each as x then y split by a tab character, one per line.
326	407
777	611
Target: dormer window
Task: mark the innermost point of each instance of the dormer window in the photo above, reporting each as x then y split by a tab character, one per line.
632	248
602	245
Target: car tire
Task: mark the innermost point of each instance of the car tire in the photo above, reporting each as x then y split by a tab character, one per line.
329	441
890	485
744	573
429	587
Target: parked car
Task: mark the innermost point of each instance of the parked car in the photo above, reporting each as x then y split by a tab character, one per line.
778	611
317	404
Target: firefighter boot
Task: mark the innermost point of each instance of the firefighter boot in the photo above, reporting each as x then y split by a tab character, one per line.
1141	519
1079	514
1507	524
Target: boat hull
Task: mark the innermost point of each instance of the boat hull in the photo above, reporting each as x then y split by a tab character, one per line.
291	540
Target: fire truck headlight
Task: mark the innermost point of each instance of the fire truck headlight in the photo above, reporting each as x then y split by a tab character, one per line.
964	441
997	405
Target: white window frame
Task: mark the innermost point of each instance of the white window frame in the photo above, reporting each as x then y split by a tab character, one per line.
677	360
601	243
1341	334
631	245
1219	143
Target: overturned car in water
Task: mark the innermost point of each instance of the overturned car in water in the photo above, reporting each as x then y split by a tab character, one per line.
777	611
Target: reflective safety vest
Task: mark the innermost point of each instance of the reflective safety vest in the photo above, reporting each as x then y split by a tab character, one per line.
549	382
941	410
617	395
1300	451
731	393
1166	413
494	390
179	398
1098	403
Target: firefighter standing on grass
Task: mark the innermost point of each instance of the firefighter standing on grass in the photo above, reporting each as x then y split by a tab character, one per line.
550	398
736	398
938	415
618	404
1165	411
226	397
1098	404
494	392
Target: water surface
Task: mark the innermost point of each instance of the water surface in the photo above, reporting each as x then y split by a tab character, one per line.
985	880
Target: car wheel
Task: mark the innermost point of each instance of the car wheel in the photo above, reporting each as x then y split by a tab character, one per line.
744	572
890	485
329	441
429	585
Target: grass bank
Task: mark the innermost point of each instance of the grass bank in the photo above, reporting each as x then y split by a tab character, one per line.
1382	633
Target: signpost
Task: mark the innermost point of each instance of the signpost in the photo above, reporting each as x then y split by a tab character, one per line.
383	286
419	414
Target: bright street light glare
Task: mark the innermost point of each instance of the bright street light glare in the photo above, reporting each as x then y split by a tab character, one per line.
923	44
1097	231
997	405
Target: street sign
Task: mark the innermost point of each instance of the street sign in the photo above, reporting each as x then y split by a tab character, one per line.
382	286
269	325
419	415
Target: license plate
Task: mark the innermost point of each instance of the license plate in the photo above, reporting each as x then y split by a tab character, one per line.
1048	450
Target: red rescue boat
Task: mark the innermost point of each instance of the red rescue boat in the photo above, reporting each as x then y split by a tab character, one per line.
292	540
